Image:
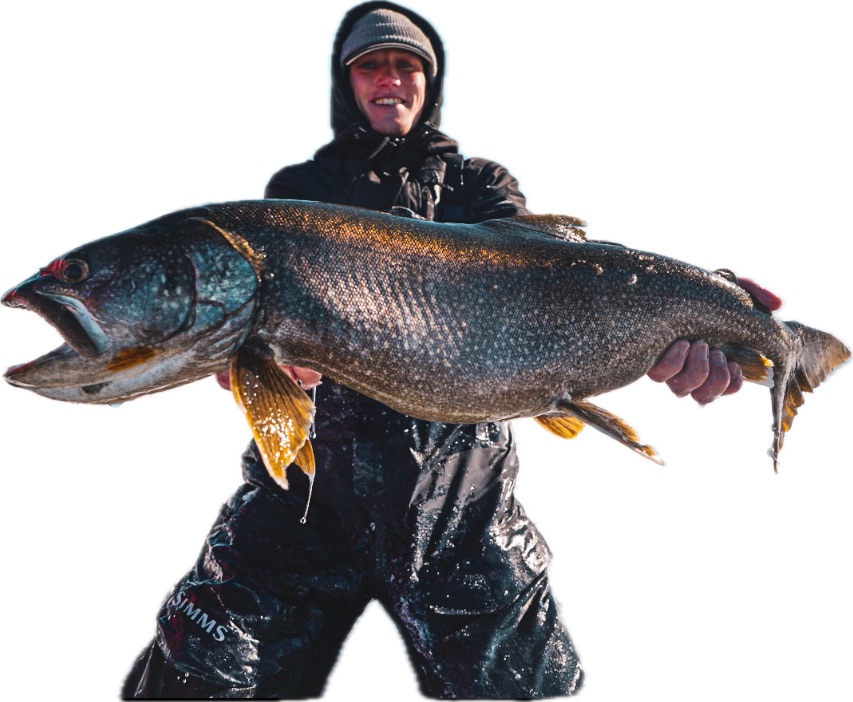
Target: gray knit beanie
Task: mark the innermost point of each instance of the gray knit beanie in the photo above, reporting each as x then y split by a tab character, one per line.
386	29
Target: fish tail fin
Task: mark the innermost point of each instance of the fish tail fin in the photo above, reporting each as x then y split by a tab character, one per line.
816	355
571	417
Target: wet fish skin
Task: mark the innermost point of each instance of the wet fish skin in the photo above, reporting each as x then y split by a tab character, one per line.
448	322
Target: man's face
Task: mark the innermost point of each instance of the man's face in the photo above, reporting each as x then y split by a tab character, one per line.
390	89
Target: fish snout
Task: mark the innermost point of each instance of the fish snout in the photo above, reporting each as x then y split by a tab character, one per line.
12	298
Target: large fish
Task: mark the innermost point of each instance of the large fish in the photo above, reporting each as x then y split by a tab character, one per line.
452	322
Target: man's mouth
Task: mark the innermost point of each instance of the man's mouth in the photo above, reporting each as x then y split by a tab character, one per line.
388	101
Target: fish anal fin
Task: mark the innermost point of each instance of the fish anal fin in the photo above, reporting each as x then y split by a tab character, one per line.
611	425
757	368
279	412
563	425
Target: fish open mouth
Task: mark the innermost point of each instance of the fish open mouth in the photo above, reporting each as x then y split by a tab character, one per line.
63	316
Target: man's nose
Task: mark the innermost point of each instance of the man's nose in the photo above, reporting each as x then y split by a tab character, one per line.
389	76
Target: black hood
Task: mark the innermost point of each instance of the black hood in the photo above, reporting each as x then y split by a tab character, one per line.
345	112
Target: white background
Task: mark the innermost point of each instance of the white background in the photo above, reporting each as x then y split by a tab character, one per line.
717	133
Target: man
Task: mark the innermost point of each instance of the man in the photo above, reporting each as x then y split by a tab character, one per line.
419	515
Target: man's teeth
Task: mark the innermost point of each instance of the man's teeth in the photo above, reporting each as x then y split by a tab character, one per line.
388	101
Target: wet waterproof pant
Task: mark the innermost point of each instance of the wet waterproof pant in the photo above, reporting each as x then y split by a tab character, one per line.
418	515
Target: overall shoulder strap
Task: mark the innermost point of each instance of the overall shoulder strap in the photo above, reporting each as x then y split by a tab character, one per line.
451	203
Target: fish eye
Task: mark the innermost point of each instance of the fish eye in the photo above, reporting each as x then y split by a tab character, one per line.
71	270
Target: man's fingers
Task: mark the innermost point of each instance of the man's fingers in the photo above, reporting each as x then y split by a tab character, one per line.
671	362
695	371
717	381
735	378
770	300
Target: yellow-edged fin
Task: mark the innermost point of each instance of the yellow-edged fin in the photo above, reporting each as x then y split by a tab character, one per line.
611	425
757	368
279	412
563	425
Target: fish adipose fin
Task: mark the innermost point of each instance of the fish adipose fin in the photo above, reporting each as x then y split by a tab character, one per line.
279	412
572	416
819	354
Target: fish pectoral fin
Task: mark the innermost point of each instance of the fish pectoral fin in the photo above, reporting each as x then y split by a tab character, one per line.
563	425
609	424
278	410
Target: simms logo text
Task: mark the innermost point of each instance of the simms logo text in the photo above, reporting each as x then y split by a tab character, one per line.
185	605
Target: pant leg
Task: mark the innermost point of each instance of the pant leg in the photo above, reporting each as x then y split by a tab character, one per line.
264	611
476	607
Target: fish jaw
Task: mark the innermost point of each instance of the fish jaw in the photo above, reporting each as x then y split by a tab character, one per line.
65	375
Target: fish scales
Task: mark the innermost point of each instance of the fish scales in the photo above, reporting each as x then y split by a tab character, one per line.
490	313
448	322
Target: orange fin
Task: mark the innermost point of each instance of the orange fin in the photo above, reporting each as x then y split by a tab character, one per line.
609	424
279	412
563	425
757	368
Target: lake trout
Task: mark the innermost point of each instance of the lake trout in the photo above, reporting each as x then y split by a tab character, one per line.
465	323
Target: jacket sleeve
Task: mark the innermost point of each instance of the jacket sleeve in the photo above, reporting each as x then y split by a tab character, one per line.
491	192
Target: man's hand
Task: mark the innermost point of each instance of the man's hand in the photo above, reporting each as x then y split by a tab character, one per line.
306	377
704	373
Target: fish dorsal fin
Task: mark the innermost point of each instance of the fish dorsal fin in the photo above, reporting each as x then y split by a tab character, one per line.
563	425
279	412
609	424
558	226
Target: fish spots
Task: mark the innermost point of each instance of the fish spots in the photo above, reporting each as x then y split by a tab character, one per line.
632	280
596	267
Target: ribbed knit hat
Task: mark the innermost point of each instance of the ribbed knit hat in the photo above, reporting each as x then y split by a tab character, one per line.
386	29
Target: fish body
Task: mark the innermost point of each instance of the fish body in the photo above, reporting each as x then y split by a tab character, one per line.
450	322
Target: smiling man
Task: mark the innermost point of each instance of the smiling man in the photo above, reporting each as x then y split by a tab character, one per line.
419	515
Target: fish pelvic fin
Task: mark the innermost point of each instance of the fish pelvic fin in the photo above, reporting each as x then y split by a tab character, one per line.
563	425
278	410
571	417
816	355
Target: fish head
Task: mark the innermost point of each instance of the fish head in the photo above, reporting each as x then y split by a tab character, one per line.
140	311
